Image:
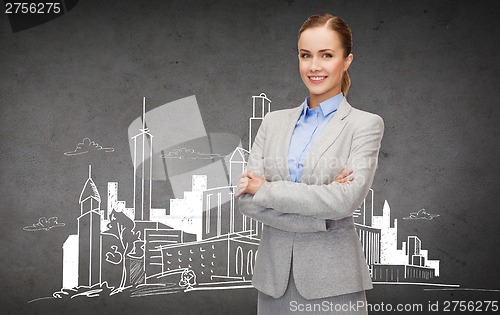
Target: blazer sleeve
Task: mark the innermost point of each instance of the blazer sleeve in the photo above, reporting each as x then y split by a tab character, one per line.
284	221
331	201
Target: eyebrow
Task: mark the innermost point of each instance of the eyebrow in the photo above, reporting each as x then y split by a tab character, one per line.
322	50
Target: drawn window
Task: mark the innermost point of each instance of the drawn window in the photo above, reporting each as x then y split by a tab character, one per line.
250	262
239	261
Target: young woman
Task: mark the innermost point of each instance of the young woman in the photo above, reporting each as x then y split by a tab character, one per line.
310	256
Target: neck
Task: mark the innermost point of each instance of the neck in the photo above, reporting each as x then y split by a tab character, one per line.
314	100
312	103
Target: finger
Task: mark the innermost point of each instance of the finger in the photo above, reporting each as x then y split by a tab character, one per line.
347	180
342	171
340	177
241	185
244	184
252	175
239	190
244	174
346	173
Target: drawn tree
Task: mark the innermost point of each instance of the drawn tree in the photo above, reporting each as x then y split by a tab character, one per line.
129	244
188	279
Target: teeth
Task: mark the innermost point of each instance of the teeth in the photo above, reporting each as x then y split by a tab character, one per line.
317	78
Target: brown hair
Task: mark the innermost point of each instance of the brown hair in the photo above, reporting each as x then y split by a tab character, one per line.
338	25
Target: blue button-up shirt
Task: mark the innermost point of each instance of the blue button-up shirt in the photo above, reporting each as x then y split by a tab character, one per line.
307	129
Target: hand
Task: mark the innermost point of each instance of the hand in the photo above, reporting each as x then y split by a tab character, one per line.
249	183
343	178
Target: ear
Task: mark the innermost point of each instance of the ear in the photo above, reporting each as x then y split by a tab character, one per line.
347	61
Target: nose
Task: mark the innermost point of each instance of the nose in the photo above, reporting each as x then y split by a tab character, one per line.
315	65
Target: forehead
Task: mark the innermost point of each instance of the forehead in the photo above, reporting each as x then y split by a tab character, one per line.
318	38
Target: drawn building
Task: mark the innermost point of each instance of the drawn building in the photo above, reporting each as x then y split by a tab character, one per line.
70	262
155	239
223	260
143	166
220	217
261	105
186	213
237	165
364	213
89	234
370	241
409	264
368	235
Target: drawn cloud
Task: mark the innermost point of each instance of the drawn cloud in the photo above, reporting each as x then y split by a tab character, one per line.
86	146
184	153
44	224
421	214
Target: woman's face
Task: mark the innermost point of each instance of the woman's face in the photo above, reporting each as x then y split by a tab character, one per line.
321	63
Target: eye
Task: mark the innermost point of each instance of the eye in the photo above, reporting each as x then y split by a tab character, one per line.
327	55
305	56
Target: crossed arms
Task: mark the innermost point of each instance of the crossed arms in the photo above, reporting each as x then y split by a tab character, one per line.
299	207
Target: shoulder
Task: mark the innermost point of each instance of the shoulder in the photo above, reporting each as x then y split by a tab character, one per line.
280	115
365	119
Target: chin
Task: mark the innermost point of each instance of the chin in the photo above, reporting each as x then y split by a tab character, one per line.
318	93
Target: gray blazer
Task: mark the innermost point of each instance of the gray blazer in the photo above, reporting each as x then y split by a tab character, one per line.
311	222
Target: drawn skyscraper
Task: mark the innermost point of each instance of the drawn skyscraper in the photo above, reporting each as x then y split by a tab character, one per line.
364	213
70	262
143	157
237	165
89	234
261	105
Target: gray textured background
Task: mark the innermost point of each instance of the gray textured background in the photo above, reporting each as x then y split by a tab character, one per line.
429	68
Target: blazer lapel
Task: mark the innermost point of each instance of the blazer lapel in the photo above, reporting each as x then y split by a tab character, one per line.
285	135
327	137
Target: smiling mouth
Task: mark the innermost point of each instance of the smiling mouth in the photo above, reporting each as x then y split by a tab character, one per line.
317	79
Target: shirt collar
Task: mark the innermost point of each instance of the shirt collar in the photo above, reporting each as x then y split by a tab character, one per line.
328	106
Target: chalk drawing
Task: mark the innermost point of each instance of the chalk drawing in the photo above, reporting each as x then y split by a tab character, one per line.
184	153
204	242
87	146
421	215
44	225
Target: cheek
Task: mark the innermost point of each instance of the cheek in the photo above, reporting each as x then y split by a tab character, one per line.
337	67
302	69
303	75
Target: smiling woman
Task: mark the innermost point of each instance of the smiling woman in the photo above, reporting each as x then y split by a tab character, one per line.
322	64
307	205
